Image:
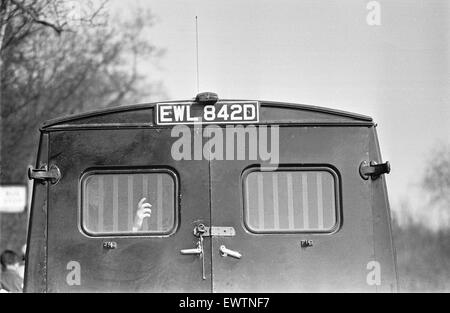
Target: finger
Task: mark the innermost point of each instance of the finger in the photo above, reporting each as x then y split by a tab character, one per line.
141	202
146	211
146	205
146	215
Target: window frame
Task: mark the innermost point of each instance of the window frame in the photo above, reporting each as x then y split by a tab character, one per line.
127	171
294	168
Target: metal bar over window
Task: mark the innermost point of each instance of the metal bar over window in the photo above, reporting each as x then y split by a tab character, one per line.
144	193
276	214
260	201
130	202
101	192
159	209
305	201
115	196
89	212
290	201
319	200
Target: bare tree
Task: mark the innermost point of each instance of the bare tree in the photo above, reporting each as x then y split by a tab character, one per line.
21	19
44	76
59	67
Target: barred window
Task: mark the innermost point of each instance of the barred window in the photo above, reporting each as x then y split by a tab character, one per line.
291	200
110	202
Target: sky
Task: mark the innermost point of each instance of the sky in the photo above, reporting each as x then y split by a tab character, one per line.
321	53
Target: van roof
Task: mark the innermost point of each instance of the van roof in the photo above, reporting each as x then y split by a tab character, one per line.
275	112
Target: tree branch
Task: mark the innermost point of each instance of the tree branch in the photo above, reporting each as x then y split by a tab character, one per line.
28	10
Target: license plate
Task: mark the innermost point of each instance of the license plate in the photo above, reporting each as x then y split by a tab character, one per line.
241	112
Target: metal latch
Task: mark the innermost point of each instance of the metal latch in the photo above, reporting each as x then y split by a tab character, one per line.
373	170
216	231
43	174
199	231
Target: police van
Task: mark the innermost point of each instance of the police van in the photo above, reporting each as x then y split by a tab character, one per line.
210	195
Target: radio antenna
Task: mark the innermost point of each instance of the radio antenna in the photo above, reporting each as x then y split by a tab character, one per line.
196	48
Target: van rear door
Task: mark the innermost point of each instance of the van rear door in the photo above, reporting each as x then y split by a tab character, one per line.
303	226
105	173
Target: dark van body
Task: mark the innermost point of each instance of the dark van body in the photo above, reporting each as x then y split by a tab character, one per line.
315	219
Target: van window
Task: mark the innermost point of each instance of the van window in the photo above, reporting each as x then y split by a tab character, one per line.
291	200
110	202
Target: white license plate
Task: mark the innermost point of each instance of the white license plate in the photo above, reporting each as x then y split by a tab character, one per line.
238	112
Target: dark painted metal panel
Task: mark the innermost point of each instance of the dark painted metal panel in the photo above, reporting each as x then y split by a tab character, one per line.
276	262
138	263
132	116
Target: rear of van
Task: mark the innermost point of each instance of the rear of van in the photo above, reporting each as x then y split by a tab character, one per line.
245	196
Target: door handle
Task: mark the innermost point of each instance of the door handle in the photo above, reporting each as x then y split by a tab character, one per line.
227	252
197	250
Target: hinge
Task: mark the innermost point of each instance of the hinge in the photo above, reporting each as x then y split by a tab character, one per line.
373	170
43	174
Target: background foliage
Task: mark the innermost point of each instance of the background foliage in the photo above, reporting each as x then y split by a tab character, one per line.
57	58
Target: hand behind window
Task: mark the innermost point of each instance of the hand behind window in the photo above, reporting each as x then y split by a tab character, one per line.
142	212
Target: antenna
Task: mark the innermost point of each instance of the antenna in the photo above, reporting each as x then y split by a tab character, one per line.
196	46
